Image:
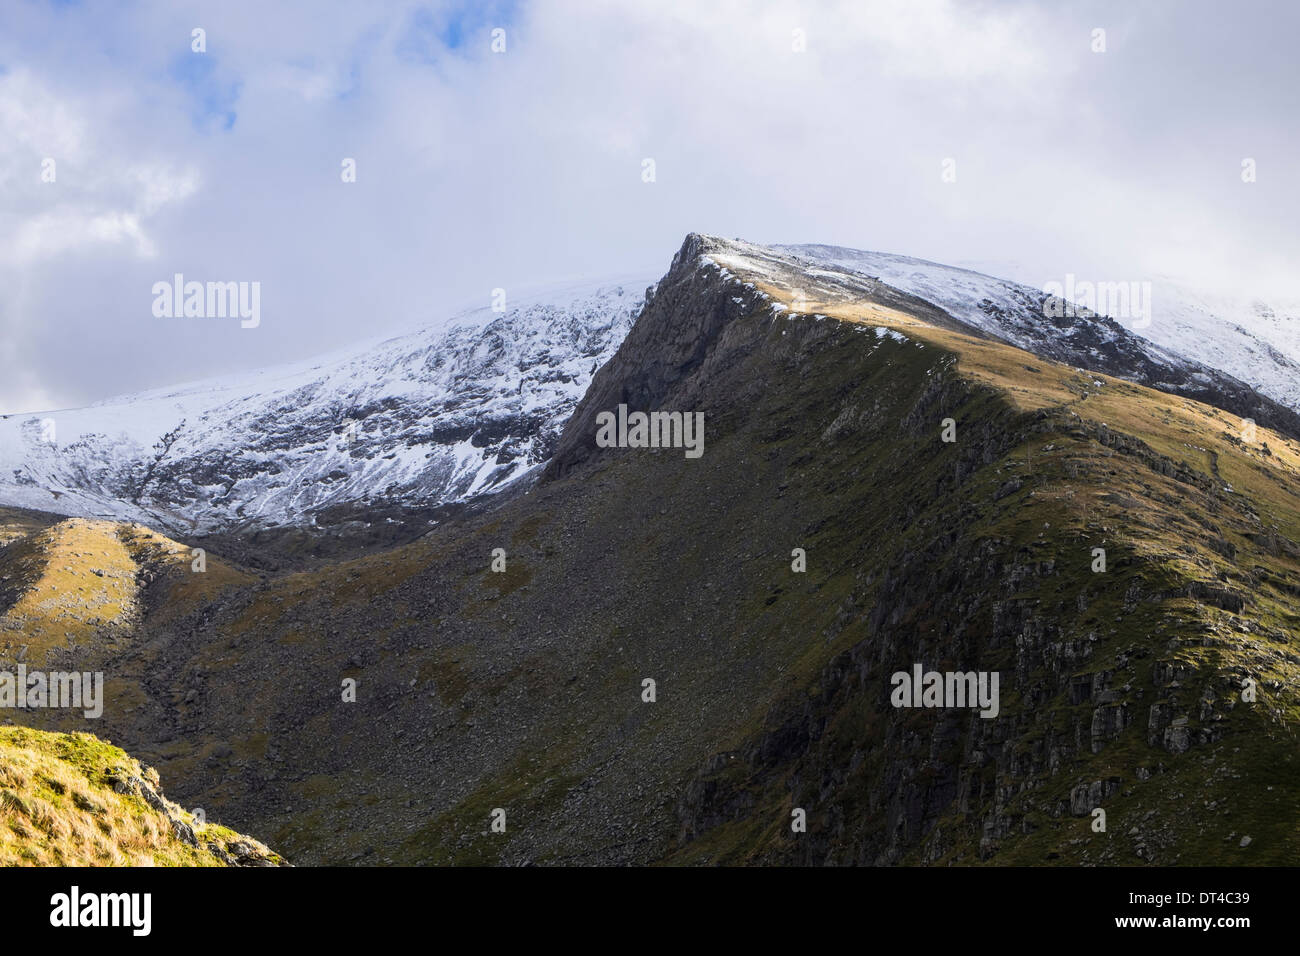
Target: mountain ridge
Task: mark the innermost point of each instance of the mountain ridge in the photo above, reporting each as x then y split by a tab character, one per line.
417	425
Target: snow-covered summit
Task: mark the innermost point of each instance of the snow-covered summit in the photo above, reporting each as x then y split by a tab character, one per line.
1240	374
1248	338
424	418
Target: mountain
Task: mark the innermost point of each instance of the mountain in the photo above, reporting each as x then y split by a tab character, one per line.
421	420
650	657
381	442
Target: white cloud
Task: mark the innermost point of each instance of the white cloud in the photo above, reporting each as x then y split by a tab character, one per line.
68	184
478	170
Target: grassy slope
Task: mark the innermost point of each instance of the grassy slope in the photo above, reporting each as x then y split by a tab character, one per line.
78	583
73	800
75	592
1187	504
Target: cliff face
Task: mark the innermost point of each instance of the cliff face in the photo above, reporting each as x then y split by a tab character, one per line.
692	329
688	319
828	538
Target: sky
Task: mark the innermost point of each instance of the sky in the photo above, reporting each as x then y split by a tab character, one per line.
1011	135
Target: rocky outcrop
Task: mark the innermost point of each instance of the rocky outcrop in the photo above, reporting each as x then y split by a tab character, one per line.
74	800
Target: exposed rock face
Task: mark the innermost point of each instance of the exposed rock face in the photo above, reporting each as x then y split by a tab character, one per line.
677	331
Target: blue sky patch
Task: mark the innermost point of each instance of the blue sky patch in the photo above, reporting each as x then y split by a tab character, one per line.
429	34
212	98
